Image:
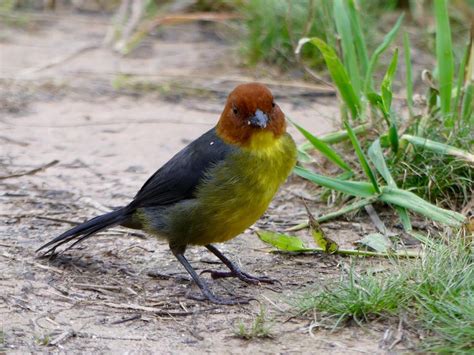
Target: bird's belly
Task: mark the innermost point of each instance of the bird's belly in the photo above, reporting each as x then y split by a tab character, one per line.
227	217
234	195
215	219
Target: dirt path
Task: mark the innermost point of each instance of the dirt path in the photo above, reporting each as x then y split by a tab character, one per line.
122	292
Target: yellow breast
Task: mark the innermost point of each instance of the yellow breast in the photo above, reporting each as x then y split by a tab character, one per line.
239	191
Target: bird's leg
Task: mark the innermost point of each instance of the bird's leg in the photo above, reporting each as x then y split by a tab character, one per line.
234	269
178	252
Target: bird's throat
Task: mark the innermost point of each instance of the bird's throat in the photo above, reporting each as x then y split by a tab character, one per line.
263	142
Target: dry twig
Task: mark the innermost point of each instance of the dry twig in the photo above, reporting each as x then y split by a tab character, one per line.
157	311
31	172
128	319
60	60
62	337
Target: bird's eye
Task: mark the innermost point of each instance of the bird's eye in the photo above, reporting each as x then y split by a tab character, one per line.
273	104
235	110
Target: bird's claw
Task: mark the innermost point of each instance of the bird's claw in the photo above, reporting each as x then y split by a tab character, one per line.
243	276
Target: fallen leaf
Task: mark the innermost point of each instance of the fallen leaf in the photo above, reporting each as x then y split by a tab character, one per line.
322	240
282	241
377	242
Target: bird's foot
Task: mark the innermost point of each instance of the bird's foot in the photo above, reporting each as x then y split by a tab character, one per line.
241	275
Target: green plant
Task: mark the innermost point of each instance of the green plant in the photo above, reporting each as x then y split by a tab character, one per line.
287	243
360	100
216	6
390	193
9	16
426	153
273	27
436	292
436	162
43	340
267	40
358	297
259	328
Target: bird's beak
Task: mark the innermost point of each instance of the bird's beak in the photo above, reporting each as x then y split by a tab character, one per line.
260	119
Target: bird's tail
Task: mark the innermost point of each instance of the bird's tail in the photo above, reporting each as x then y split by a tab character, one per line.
87	229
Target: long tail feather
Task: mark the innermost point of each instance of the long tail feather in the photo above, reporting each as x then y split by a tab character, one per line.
86	229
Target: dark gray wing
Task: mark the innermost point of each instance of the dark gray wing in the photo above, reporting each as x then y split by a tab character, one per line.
178	178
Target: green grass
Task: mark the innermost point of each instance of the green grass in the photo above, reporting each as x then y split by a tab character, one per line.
436	292
266	40
444	53
411	158
43	339
356	297
272	28
428	153
11	18
259	328
443	180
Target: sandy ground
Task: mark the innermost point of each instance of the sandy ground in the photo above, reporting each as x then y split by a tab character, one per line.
123	292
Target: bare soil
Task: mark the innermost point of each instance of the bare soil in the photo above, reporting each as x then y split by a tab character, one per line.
123	292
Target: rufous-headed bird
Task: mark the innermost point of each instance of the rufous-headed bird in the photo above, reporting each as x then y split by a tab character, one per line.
213	189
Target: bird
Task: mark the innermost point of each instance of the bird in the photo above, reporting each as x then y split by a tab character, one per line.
212	190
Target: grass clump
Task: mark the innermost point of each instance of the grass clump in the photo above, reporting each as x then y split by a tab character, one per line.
260	327
443	180
268	41
436	292
442	296
43	340
412	160
9	16
273	28
356	297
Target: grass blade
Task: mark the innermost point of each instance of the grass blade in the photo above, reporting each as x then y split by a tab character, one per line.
377	242
444	55
404	218
460	82
387	101
376	156
328	216
362	159
325	149
389	37
409	72
386	88
338	74
359	39
344	29
393	135
353	188
376	101
337	137
412	202
303	156
466	112
439	148
467	104
346	209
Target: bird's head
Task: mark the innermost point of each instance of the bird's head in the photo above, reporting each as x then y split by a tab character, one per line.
251	117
